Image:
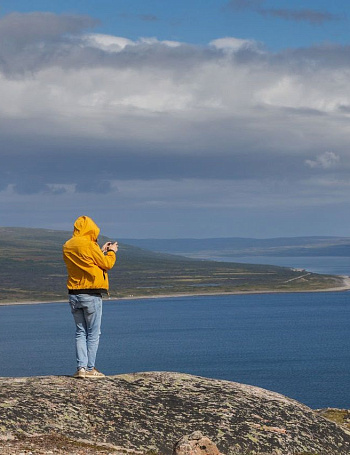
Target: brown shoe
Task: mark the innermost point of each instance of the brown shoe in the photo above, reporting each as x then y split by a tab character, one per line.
94	374
80	374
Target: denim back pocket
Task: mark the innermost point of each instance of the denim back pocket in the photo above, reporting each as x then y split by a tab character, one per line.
88	303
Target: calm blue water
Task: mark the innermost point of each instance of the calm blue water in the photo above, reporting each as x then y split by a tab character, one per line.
327	264
295	344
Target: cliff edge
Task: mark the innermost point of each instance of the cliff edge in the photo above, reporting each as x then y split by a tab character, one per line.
149	412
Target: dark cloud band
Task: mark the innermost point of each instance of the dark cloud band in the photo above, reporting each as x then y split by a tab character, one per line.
314	17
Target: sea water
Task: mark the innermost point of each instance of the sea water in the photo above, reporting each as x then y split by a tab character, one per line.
294	344
328	265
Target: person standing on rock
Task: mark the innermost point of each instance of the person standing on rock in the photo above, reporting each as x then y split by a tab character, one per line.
87	267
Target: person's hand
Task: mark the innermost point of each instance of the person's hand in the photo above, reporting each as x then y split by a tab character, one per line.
105	247
112	247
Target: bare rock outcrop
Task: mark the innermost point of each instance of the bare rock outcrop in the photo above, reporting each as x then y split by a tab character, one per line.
195	444
149	412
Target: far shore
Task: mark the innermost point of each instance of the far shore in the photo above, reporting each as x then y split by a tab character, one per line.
345	287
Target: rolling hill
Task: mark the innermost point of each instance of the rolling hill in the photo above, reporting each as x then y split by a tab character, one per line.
32	269
236	246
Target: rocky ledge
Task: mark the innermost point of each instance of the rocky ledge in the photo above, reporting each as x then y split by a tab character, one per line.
149	412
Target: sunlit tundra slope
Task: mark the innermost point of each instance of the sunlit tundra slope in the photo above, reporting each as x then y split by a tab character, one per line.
32	269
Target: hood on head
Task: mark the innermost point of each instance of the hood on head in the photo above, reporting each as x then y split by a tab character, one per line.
86	226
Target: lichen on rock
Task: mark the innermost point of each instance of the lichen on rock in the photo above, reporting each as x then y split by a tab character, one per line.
149	412
195	444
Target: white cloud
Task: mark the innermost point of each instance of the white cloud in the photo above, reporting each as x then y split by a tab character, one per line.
184	115
108	43
142	84
129	79
234	44
326	160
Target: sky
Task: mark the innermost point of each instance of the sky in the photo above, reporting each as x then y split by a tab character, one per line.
176	119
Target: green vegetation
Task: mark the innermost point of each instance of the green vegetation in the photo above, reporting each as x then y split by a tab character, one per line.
339	416
32	268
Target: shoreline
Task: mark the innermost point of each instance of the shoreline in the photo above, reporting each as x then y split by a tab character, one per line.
345	287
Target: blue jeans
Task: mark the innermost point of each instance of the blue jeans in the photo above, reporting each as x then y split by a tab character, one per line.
87	313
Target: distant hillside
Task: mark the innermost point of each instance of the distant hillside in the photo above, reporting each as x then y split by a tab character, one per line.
236	246
32	268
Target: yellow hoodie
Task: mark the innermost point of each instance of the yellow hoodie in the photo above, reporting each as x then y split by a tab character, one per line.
86	264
